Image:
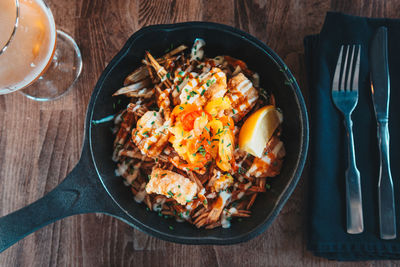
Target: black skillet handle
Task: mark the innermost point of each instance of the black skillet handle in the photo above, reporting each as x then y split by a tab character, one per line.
80	192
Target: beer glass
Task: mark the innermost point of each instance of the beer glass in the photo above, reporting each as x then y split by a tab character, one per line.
36	59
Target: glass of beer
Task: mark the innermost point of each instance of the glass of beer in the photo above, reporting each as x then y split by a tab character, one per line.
41	62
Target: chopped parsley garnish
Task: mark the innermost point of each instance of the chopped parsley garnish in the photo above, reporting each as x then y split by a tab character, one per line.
180	194
162	175
168	75
201	150
205	202
234	111
155	114
181	73
268	186
152	122
220	131
177	88
146	133
202	92
229	145
170	193
181	108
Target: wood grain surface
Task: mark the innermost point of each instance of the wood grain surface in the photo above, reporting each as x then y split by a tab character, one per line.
40	142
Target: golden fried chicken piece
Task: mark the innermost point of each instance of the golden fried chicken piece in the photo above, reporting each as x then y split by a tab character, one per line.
151	134
171	184
243	96
270	163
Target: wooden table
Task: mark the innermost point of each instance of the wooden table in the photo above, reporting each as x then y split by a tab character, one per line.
40	142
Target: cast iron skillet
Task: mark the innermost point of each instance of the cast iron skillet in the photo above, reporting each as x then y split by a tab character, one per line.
92	185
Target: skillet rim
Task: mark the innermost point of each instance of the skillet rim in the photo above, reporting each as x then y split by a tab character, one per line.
288	190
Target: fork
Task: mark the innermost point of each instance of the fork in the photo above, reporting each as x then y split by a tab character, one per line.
345	98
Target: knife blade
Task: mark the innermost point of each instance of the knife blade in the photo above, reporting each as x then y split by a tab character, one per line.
380	88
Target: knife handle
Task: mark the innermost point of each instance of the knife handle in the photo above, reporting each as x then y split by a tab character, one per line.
387	215
355	220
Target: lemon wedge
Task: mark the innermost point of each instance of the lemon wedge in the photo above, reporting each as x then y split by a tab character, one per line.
258	129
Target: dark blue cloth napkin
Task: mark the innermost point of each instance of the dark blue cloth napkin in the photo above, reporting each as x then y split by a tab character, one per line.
327	235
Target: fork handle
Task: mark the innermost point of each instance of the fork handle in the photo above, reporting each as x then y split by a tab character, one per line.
387	216
355	221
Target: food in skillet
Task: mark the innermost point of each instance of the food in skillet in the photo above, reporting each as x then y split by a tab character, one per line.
199	138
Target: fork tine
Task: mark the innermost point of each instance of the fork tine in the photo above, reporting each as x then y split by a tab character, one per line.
336	77
348	82
344	73
357	70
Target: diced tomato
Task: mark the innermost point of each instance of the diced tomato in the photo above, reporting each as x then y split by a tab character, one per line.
187	118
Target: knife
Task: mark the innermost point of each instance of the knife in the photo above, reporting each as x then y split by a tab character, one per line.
380	87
